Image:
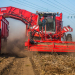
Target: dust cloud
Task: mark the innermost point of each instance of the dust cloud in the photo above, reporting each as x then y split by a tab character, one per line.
16	39
16	29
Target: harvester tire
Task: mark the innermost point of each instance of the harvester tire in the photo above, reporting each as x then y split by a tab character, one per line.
69	37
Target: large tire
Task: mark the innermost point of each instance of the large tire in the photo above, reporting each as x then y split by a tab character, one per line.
69	37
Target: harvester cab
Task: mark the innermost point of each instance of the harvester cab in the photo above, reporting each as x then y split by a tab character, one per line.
48	19
51	25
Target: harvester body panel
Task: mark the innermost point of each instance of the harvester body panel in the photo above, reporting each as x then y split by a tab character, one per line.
4	25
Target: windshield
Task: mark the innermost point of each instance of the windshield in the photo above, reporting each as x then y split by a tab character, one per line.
49	21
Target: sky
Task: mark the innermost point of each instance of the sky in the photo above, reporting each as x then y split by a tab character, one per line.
65	6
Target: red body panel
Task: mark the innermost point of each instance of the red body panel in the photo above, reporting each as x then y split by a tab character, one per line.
20	14
54	46
4	27
4	32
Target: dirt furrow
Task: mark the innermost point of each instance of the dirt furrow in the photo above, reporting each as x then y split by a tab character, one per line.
5	62
54	64
20	66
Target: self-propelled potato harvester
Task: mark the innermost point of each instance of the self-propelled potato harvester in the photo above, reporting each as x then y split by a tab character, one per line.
49	35
44	30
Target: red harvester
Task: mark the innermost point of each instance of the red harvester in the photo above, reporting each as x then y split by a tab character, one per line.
45	30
